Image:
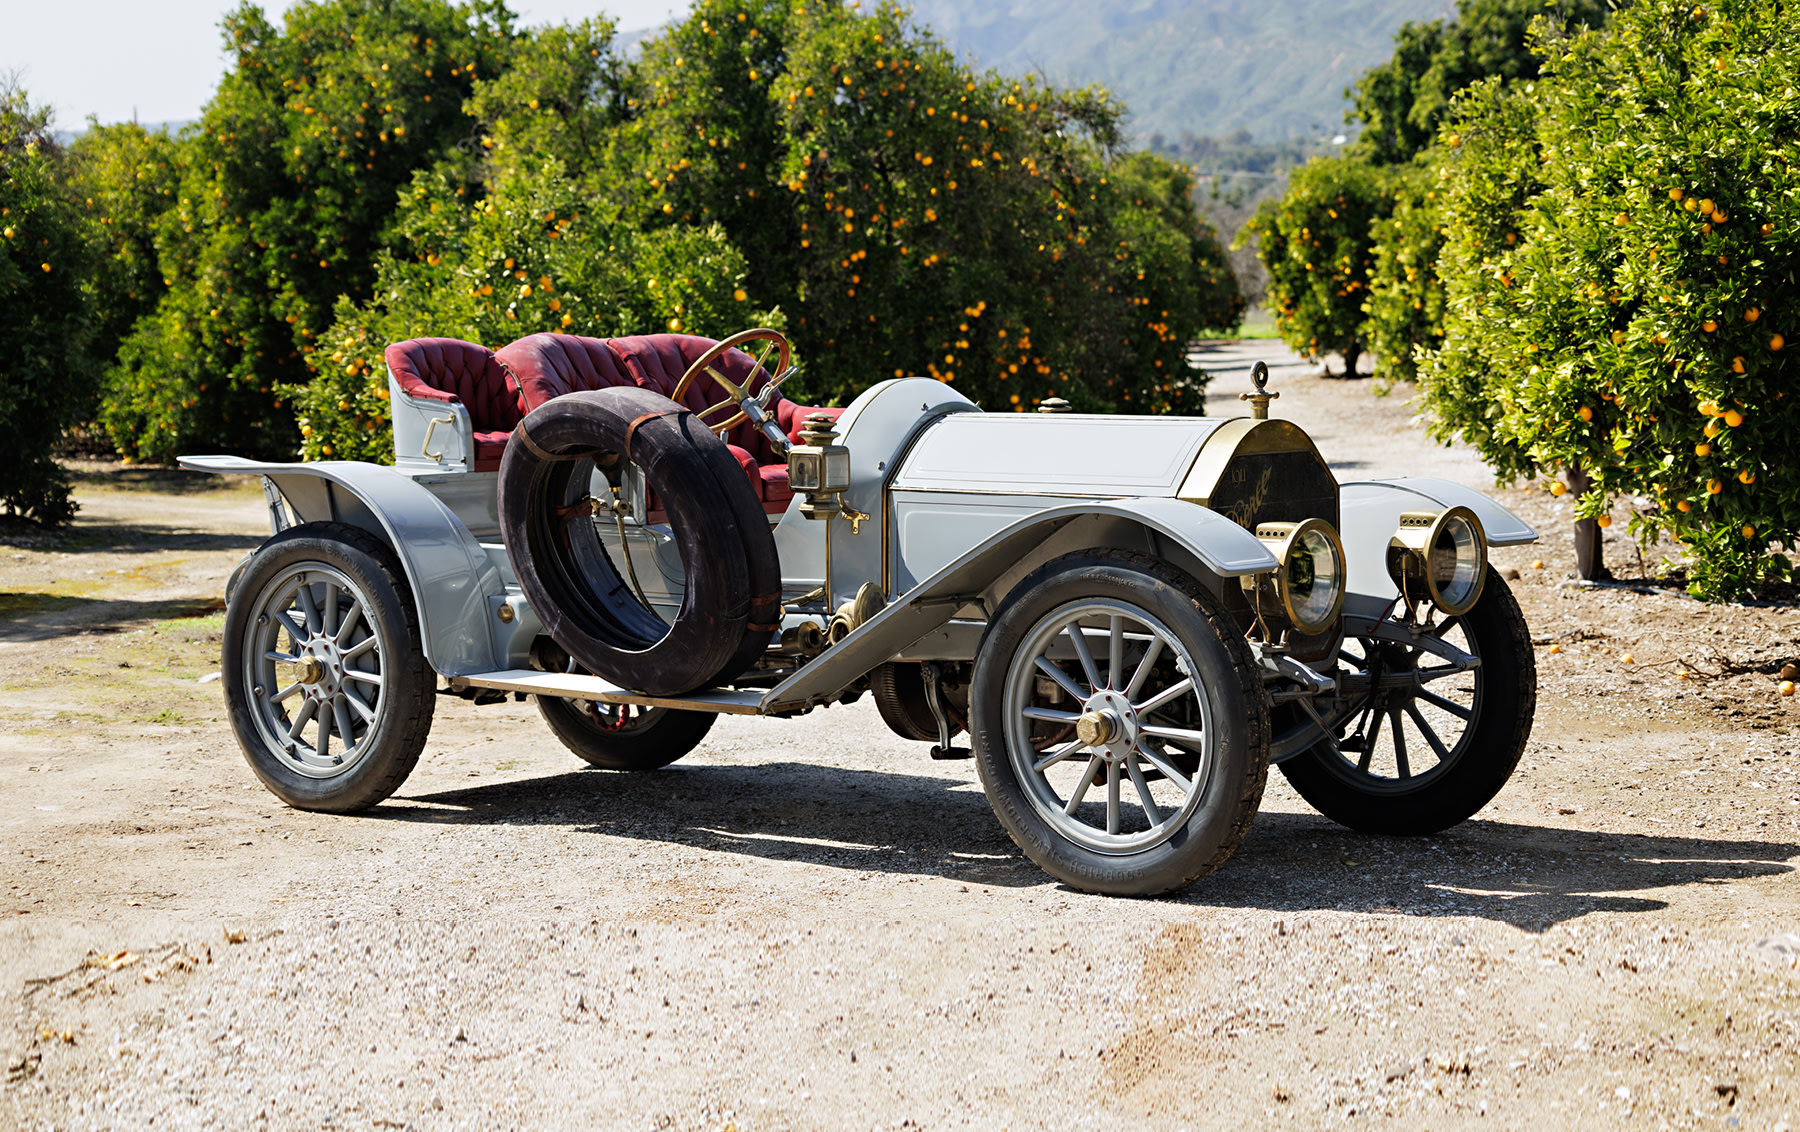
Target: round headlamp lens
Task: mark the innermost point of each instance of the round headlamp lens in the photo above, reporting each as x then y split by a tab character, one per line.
1314	579
1454	563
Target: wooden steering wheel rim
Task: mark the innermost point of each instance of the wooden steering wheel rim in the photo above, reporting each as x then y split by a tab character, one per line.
754	334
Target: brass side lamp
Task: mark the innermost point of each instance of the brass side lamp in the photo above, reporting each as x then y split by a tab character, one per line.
819	469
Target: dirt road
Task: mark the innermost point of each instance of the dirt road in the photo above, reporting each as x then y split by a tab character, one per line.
808	924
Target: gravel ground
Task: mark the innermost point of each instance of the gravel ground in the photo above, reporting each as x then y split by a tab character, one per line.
808	924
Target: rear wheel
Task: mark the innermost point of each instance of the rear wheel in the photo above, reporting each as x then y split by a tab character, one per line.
624	736
1120	728
1424	739
327	688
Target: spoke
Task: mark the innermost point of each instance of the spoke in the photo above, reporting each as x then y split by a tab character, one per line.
1055	757
359	648
323	745
1143	792
307	606
301	719
1439	671
1116	658
285	692
1174	691
1112	797
1431	736
1168	768
366	677
362	709
1450	706
279	657
1056	673
768	346
1178	734
295	633
340	711
351	617
1400	763
1078	637
1446	625
330	616
1050	715
1087	780
1142	674
1368	751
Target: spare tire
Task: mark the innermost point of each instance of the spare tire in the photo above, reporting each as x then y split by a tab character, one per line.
733	599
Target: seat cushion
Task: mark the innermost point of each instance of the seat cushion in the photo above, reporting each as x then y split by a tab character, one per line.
457	372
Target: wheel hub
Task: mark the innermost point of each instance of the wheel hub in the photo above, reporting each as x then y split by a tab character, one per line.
319	669
1109	724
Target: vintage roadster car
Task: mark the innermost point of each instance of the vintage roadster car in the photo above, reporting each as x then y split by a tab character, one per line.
1130	617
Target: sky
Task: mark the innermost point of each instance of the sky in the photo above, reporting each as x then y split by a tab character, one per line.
159	60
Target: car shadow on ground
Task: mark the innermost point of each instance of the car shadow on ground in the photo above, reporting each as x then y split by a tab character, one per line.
1528	876
29	616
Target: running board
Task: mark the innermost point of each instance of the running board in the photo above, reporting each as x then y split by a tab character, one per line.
576	686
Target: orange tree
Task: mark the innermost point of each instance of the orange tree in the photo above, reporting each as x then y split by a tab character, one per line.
44	314
1317	243
536	254
914	216
126	179
1620	241
288	183
1404	310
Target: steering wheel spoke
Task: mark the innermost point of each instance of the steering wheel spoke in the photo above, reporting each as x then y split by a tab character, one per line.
748	405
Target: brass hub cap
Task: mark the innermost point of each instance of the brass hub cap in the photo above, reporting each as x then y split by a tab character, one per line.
308	670
1097	728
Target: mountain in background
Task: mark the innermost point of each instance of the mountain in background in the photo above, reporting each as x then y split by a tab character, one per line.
1206	68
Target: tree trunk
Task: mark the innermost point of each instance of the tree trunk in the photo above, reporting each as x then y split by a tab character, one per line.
1590	562
1351	353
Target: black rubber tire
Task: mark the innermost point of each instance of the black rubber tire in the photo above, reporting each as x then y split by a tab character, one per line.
733	599
1240	709
1495	739
655	743
899	691
407	696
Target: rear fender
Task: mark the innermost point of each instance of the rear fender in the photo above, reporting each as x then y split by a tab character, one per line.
972	586
1371	511
456	586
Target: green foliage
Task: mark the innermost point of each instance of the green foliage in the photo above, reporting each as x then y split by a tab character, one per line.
562	99
1405	307
1401	102
44	316
127	179
287	185
534	256
1317	244
1637	322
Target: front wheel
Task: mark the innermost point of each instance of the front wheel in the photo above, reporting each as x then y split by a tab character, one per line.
1423	738
327	689
1120	728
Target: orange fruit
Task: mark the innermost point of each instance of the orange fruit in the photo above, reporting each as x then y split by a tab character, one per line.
1737	365
1676	194
1629	659
1749	531
1786	688
1709	326
1711	430
1557	487
1776	342
1752	315
1604	521
1538	564
1734	418
1585	413
1703	449
1554	649
1746	476
1710	408
1621	219
1706	205
1618	336
1714	487
1683	506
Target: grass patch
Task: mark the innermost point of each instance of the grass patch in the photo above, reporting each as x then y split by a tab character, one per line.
17	604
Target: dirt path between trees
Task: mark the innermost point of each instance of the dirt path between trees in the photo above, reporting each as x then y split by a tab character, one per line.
808	924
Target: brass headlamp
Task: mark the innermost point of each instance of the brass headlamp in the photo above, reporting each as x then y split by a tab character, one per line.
819	469
1308	581
1441	555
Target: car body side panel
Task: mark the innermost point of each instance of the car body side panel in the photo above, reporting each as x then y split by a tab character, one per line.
455	584
1055	454
968	580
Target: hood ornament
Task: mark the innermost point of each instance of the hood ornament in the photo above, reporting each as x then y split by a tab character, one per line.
1259	401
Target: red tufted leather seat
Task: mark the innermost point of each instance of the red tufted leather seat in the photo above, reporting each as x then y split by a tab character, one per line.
453	371
550	365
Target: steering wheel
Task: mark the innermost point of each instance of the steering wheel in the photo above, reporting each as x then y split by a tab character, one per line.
776	341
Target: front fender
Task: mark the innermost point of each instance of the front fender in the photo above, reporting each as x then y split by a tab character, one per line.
1371	511
454	584
978	577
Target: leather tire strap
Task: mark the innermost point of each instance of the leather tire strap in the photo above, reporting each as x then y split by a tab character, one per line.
542	453
631	429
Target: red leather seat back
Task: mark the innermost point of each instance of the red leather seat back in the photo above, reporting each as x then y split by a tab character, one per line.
457	372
